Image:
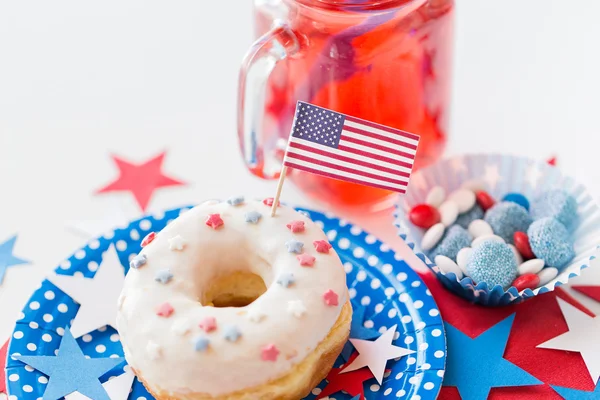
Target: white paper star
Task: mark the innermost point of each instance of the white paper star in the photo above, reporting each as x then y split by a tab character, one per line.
98	297
375	354
255	314
492	176
176	243
296	308
533	175
117	388
582	337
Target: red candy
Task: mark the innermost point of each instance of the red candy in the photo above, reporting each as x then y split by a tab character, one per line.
522	244
424	216
484	200
148	239
526	281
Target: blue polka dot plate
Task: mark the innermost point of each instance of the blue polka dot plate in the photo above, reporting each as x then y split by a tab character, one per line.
380	283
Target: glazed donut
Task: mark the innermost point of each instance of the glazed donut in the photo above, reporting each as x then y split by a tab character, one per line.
228	302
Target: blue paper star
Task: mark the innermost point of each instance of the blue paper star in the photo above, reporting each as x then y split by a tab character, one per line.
475	366
572	394
235	201
294	246
253	217
232	333
286	279
358	330
70	371
7	259
163	276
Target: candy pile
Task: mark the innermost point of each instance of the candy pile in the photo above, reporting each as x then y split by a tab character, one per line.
506	243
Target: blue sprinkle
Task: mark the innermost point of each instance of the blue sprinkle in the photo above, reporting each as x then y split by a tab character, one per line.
294	246
556	204
455	238
138	261
286	279
551	242
232	333
163	276
201	343
253	217
506	218
517	198
493	263
235	201
465	219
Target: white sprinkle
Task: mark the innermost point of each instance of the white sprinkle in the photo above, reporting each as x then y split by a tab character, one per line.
464	199
448	212
153	350
531	266
447	265
486	238
176	243
255	314
479	228
436	196
432	236
547	274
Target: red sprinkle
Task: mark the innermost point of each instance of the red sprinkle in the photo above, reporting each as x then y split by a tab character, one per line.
424	216
296	226
148	239
269	202
306	260
484	200
526	281
522	244
269	353
330	297
208	324
214	221
322	246
165	310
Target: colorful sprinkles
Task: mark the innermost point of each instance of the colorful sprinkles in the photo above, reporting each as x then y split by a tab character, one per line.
296	308
208	324
148	239
286	279
322	246
214	221
253	217
294	246
201	343
235	201
163	276
165	310
269	353
296	226
232	333
269	202
176	243
137	261
306	260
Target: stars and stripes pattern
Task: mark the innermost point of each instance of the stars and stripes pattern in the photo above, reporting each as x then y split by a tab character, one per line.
339	146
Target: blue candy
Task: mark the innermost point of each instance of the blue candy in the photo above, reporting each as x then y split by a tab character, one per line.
517	198
506	218
556	204
465	219
455	238
551	242
493	263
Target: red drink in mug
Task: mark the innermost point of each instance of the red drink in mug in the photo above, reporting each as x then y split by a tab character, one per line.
386	61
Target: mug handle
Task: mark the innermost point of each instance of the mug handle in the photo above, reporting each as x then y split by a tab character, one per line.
260	61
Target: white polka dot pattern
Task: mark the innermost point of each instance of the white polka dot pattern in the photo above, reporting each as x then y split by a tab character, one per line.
378	279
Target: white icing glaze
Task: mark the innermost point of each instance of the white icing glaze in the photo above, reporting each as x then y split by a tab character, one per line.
294	319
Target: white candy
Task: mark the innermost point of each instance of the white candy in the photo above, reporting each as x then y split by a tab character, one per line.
531	267
480	228
448	212
518	255
436	196
547	274
447	265
464	199
474	185
486	238
462	258
432	236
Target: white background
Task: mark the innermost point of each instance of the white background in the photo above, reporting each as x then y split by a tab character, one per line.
82	79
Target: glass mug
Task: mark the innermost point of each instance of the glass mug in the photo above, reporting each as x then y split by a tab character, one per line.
386	61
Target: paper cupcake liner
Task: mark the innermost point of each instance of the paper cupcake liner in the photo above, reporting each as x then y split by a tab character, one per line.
501	174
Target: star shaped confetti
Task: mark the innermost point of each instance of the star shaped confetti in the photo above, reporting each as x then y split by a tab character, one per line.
214	221
286	279
375	354
296	226
322	246
573	394
492	176
252	217
140	179
358	330
71	371
465	356
583	337
306	260
117	388
7	259
296	308
98	296
294	246
176	243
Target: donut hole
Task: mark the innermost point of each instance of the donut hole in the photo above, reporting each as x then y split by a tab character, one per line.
237	289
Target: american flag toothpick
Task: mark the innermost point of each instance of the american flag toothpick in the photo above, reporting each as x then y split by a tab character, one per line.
339	146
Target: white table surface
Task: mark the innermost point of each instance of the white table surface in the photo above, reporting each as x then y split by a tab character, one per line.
80	80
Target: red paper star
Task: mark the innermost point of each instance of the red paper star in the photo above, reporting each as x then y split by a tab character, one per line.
214	221
349	382
269	353
208	324
165	310
322	246
141	180
3	351
536	321
306	260
592	292
296	226
330	297
148	239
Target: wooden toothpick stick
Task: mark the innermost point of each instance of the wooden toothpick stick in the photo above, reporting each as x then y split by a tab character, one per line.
279	187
